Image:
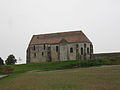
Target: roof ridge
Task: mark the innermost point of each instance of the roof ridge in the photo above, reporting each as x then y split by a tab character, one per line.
59	33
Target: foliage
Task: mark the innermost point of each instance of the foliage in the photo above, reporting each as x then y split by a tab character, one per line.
42	66
6	69
94	62
115	60
1	61
10	60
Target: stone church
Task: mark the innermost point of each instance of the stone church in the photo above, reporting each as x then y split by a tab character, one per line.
73	45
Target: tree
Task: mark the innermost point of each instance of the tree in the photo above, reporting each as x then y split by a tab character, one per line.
1	61
10	60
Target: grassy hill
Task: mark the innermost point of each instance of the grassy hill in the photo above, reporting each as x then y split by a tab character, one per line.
92	78
45	66
42	66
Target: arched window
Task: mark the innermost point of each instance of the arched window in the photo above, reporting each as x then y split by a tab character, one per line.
88	50
81	51
44	46
56	48
34	55
71	50
42	54
84	45
34	47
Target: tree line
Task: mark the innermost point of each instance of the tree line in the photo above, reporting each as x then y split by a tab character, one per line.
9	61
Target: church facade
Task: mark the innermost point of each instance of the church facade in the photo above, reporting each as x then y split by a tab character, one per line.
73	45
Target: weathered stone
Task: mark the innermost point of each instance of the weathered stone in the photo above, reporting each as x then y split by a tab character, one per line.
68	48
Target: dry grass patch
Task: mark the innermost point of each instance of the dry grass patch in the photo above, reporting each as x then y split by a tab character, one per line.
93	78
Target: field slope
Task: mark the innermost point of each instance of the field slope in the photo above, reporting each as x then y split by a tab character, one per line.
92	78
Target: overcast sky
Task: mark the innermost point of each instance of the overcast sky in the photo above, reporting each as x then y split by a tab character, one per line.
20	19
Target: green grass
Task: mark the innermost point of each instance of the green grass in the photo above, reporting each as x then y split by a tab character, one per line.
41	66
18	69
92	78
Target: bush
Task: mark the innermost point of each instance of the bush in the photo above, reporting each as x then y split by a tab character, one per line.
115	60
1	61
6	69
94	62
10	60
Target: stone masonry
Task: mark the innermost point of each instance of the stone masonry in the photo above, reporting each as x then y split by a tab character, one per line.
63	46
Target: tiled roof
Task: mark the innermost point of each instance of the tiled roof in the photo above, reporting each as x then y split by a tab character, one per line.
53	38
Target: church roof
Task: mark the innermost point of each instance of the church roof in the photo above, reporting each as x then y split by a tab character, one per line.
54	38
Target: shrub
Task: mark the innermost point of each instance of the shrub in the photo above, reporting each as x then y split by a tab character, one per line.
94	62
10	60
6	69
1	61
115	60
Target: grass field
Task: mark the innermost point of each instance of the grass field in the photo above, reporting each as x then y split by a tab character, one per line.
18	69
92	78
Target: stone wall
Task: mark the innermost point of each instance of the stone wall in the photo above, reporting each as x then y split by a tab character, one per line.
54	53
63	50
41	53
106	55
72	55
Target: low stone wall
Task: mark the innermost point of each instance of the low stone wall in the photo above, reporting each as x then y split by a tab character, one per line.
106	55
